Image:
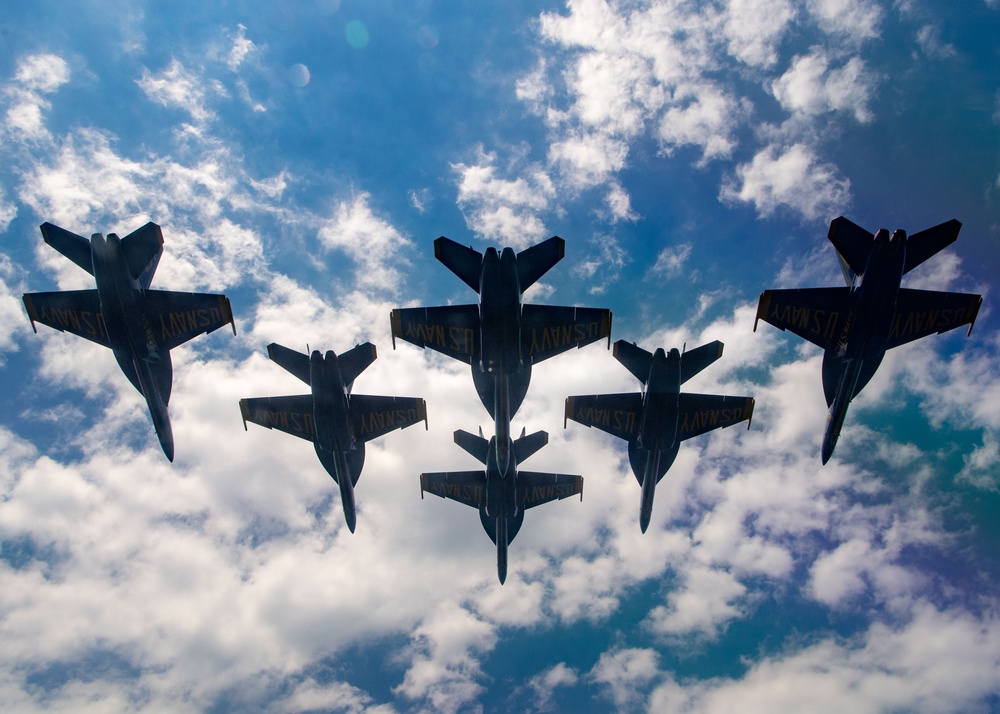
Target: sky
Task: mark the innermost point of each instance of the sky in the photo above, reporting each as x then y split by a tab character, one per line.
301	157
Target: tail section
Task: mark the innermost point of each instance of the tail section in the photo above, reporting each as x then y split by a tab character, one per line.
74	247
700	357
466	263
635	359
291	361
142	249
477	446
921	246
355	361
526	446
534	262
853	244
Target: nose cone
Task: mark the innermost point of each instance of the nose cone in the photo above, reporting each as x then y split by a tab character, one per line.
351	517
829	443
167	442
644	517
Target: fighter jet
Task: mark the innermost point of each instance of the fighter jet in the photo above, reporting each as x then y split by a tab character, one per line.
337	422
855	325
140	325
501	492
656	420
500	337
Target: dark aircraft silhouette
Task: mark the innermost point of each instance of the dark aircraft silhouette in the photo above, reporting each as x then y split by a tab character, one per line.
337	422
500	337
855	325
140	325
656	420
501	492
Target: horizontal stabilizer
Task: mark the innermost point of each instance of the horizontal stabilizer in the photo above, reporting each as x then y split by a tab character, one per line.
700	357
475	445
635	359
853	244
618	414
926	312
921	246
355	361
815	314
74	247
373	415
535	488
526	446
291	361
468	487
142	249
292	415
175	317
534	262
75	311
452	330
548	330
465	262
701	413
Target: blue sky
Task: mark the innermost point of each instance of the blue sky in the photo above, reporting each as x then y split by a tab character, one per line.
302	159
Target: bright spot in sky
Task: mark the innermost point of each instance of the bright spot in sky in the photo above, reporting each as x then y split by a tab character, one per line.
299	75
357	34
427	37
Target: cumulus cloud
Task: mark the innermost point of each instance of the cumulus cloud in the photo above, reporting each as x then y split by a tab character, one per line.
176	86
34	77
810	87
506	210
794	177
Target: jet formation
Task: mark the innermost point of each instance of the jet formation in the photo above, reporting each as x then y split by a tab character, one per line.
856	324
501	338
139	324
655	421
337	422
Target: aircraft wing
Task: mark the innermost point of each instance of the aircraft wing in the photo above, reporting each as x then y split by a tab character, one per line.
925	312
534	262
922	245
815	314
853	243
618	414
548	330
701	413
292	415
176	317
635	359
355	361
76	311
468	487
373	416
450	329
535	488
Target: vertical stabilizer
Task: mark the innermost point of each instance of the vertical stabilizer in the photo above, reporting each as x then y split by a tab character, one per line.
534	262
635	359
526	446
355	361
74	247
921	246
700	357
464	262
142	249
290	360
853	244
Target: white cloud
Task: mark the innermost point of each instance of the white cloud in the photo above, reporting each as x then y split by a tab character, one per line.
242	47
624	671
857	19
178	87
545	684
12	317
500	209
35	76
810	87
755	28
670	262
793	177
373	243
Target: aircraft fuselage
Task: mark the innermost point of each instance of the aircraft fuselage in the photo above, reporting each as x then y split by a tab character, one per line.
501	500
849	365
334	435
132	341
658	429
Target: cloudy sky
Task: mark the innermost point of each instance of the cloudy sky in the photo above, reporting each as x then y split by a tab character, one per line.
301	157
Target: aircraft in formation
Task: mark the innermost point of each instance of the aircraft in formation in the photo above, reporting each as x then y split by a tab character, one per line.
501	492
501	338
855	325
139	324
655	421
337	422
